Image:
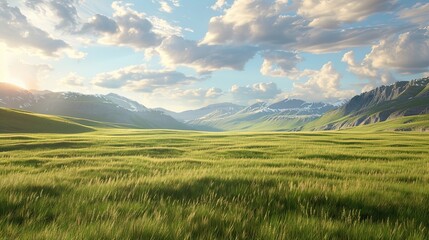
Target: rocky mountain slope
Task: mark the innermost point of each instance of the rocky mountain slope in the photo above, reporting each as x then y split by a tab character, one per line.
381	104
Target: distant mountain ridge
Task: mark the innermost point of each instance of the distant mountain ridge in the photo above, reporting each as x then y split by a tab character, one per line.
284	115
217	109
385	103
405	98
110	108
15	97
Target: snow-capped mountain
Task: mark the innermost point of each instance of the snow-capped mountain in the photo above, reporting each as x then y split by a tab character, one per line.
214	110
110	108
15	97
125	103
287	114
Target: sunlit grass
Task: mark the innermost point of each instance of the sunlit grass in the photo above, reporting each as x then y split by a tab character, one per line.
135	184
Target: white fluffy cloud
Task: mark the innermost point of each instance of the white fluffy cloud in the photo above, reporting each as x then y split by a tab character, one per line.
134	29
100	24
178	98
363	70
254	21
331	14
366	71
322	85
140	79
165	7
168	6
219	4
408	53
17	33
176	51
73	79
255	92
280	64
130	28
198	94
272	24
64	10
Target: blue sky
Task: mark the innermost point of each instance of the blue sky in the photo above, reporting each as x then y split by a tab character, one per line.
184	54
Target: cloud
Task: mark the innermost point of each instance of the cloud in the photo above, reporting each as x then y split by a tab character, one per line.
183	99
322	85
332	14
280	64
198	94
272	24
220	4
335	40
16	32
164	28
406	53
255	92
416	14
254	21
73	79
100	24
129	28
65	10
194	97
168	5
176	51
365	70
140	79
165	7
135	29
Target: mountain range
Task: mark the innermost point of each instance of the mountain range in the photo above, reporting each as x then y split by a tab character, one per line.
285	115
385	103
110	108
406	98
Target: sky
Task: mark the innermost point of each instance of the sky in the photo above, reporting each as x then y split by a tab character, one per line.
185	54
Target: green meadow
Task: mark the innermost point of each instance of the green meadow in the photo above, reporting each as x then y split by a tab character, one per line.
154	184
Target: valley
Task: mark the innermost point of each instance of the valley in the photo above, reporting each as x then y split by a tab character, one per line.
407	98
159	184
221	119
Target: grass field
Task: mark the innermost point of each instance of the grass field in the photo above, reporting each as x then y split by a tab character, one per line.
136	184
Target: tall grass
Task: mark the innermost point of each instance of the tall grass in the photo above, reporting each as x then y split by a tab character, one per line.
135	184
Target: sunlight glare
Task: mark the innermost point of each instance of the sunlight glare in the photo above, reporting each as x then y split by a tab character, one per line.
18	83
3	68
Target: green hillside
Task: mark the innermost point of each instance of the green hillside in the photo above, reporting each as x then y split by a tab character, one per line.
338	119
15	121
381	104
419	123
266	123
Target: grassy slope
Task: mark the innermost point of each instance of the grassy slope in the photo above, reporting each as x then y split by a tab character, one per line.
25	122
410	123
251	122
338	116
142	184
